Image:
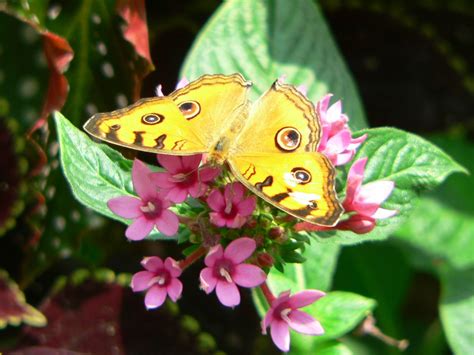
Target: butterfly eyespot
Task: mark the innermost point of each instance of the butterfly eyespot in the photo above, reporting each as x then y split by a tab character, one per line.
302	176
152	118
313	205
189	109
288	139
115	127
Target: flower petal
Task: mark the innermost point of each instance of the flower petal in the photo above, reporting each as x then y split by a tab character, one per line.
191	162
375	192
236	222
247	275
227	293
152	263
247	206
139	228
333	113
197	189
173	267
240	249
125	206
162	180
234	192
382	213
174	289
215	253
208	174
171	163
339	142
208	280
168	223
280	333
159	91
354	179
217	219
177	194
215	200
141	181
140	281
182	83
304	298
304	323
155	297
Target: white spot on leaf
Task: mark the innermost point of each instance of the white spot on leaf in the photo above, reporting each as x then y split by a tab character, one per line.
91	109
54	11
101	48
108	70
121	100
59	223
96	19
28	87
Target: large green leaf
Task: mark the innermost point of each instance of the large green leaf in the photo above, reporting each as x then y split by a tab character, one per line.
95	172
413	163
378	271
442	225
264	39
456	309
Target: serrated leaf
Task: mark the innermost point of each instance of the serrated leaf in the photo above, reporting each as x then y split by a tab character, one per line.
442	224
265	39
413	163
456	309
95	172
440	235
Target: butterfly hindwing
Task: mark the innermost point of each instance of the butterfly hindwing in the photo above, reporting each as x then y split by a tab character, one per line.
302	184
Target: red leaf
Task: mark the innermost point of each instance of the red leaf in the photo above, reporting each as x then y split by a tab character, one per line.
13	308
136	30
58	55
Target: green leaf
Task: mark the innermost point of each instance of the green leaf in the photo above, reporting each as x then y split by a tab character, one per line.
316	272
439	235
264	39
456	309
363	269
440	231
414	164
95	172
331	347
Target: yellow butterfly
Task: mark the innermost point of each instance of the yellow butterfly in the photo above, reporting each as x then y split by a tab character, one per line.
270	145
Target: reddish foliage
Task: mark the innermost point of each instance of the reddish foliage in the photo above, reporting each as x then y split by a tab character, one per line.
136	31
58	54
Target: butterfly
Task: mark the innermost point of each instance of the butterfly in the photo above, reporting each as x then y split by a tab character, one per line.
270	145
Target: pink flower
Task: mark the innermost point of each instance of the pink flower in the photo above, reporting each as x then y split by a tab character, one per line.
183	176
336	140
225	270
284	314
147	211
231	209
160	279
365	200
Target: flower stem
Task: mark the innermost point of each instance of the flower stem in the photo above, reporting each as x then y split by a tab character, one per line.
191	258
267	293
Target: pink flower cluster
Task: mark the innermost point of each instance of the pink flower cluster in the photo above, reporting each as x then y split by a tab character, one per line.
336	139
239	263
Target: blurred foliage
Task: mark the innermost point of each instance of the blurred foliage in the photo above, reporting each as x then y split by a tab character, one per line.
412	63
